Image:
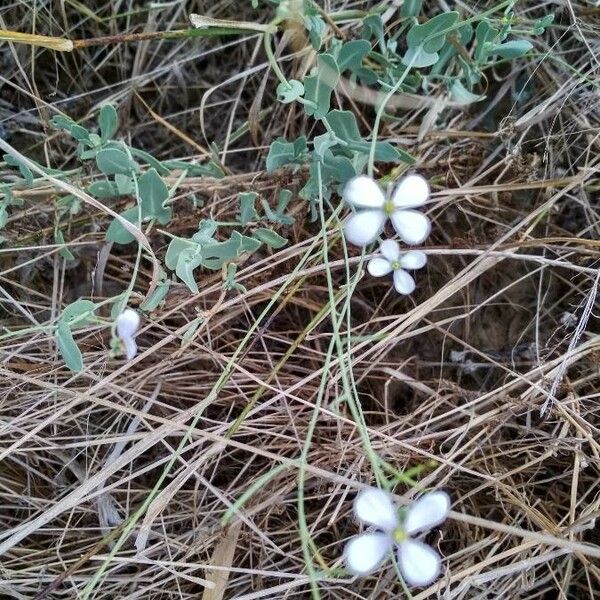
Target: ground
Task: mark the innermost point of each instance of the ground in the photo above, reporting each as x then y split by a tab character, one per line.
223	460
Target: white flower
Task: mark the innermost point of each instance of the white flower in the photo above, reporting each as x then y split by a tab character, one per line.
391	259
419	564
374	209
128	323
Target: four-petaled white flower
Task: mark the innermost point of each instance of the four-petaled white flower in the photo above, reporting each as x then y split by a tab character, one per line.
128	323
419	564
391	259
374	209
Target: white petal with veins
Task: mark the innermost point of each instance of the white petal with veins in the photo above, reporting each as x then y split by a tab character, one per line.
379	266
419	564
375	507
363	227
427	512
403	282
390	249
412	191
364	553
413	260
363	192
412	226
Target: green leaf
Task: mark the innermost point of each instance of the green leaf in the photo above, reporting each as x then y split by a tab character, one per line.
282	152
513	49
432	34
61	122
158	295
176	247
540	25
319	87
316	27
65	253
419	58
290	91
153	193
68	348
150	160
124	184
344	125
69	204
352	54
103	189
189	260
24	170
112	161
206	231
81	134
209	169
462	95
3	216
117	233
272	239
191	329
485	34
247	211
373	29
108	121
411	8
78	314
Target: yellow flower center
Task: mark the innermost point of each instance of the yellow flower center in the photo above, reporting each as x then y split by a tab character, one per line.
399	535
388	207
395	265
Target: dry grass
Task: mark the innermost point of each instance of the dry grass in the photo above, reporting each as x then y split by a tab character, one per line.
453	379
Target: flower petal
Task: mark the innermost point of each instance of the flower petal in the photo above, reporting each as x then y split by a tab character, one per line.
427	512
410	192
412	226
130	347
127	323
364	553
379	266
419	563
363	192
375	507
403	282
363	227
390	249
413	260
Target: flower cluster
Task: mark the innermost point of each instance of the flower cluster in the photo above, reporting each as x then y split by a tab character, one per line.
419	564
372	211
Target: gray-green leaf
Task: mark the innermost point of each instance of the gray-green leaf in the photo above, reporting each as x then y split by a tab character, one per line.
112	161
68	348
247	211
513	49
108	122
153	193
272	239
318	87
